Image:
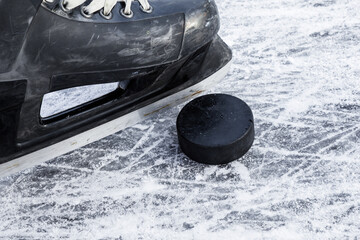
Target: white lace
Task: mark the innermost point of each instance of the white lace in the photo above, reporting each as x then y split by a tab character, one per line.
107	5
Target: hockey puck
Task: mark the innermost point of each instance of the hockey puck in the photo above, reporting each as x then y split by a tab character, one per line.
215	129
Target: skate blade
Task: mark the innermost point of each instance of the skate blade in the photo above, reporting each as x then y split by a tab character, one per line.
109	128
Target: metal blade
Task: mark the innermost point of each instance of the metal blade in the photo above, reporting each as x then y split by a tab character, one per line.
97	133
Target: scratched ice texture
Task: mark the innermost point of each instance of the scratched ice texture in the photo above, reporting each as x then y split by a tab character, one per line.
78	96
297	64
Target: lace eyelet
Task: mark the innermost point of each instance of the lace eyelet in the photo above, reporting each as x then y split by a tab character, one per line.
83	12
146	10
127	15
63	7
107	17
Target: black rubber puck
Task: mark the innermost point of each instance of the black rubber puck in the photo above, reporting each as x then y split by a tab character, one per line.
215	129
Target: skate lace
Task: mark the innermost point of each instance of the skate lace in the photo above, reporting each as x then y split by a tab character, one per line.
104	6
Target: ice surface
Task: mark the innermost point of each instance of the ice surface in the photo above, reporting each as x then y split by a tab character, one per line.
296	63
59	101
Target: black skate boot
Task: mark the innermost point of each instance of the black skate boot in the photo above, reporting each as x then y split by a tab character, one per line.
160	53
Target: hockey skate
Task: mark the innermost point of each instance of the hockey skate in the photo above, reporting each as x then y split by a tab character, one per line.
160	53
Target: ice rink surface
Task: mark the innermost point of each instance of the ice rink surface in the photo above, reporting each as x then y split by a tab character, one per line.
297	64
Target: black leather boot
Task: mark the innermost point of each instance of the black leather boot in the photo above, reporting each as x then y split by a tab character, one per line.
152	49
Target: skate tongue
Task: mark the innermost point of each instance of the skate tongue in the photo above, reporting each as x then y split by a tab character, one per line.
106	5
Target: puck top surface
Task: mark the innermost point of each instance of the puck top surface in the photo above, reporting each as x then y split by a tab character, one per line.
214	120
